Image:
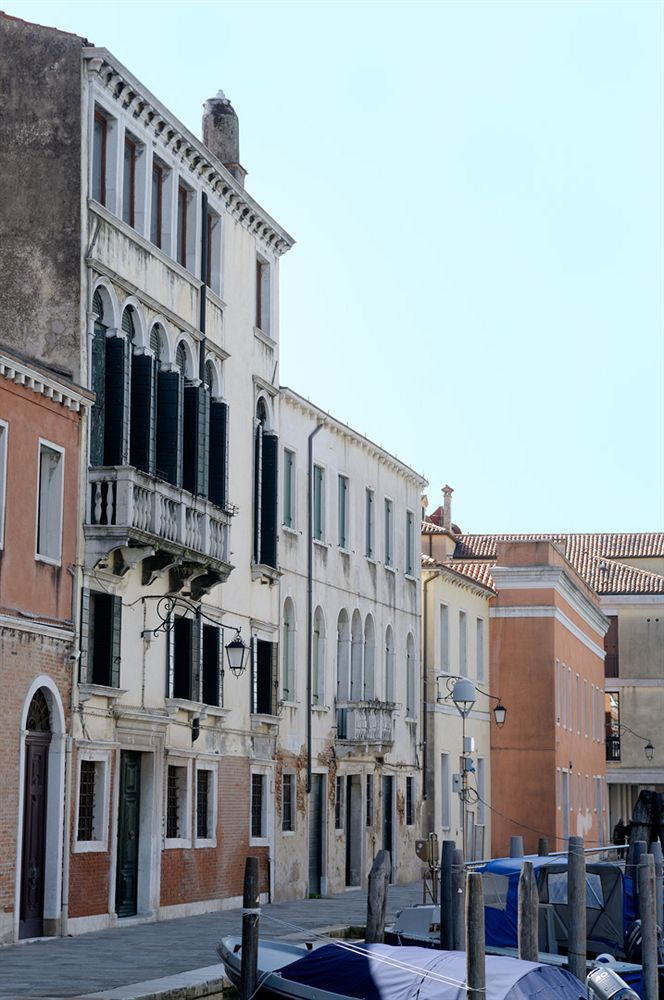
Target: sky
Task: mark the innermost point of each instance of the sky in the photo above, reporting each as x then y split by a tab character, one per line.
477	195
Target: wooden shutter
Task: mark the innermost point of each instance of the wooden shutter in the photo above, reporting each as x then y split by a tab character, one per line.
268	534
142	398
116	643
254	674
210	665
221	642
116	407
169	427
196	656
190	438
258	462
275	676
85	636
218	451
99	389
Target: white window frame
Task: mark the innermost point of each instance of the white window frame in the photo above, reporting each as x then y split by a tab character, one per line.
370	524
41	556
388	532
287	655
463	642
4	440
293	776
185	804
409	550
141	218
266	296
291	481
479	649
102	798
215	250
557	692
211	767
266	807
321	525
343	520
444	638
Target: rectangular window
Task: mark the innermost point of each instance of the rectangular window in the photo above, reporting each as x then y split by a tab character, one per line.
156	219
91	806
445	791
263	296
444	640
319	503
479	649
410	801
369	524
611	659
86	800
129	182
370	801
481	790
49	511
339	803
570	698
182	655
388	532
585	706
104	624
258	806
289	488
183	209
463	643
213	252
4	432
578	705
612	725
99	147
176	802
265	678
204	801
343	512
287	824
212	665
557	692
410	543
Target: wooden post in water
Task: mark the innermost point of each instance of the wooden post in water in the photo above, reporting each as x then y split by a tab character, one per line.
528	911
379	878
250	919
638	849
446	910
516	847
475	963
576	904
543	847
656	851
646	879
459	900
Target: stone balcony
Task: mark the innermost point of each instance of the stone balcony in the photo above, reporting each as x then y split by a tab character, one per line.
369	723
132	517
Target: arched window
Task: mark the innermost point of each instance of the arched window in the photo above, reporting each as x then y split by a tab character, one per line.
288	652
343	657
142	438
218	441
389	664
265	489
369	659
356	650
410	677
109	437
318	660
98	381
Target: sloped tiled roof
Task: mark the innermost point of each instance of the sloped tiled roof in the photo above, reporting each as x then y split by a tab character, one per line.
479	572
595	557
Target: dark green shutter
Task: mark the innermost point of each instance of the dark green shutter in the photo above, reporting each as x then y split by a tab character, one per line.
116	644
195	447
210	660
218	452
99	389
258	452
275	676
268	553
142	397
183	664
169	424
85	636
116	405
170	657
196	653
203	451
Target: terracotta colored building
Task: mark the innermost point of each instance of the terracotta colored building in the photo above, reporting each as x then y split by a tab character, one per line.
40	438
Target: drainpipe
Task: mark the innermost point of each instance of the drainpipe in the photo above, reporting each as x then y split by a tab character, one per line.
425	686
203	289
310	571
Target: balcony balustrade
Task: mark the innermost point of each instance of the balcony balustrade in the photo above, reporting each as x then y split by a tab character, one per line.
129	510
369	722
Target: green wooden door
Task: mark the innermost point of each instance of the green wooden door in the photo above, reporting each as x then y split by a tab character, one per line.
126	884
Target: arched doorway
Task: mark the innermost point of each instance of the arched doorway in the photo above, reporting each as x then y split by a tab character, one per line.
33	866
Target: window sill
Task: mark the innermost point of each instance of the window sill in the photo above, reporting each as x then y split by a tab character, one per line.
321	543
264	338
259	842
290	531
87	691
90	847
217	711
344	551
320	709
390	569
371	560
288	833
39	557
205	842
288	703
410	578
175	843
175	705
265	573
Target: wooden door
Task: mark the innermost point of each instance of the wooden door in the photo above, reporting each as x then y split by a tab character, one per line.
388	829
126	883
316	834
31	921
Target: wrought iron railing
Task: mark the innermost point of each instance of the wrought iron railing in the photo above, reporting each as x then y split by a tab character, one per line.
613	748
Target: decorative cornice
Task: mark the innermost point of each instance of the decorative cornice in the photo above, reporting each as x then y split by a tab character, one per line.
48	386
136	101
459	580
36	627
551	578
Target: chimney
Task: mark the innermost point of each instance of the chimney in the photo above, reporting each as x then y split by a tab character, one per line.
221	134
447	492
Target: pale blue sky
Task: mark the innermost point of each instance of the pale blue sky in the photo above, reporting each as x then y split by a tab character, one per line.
476	191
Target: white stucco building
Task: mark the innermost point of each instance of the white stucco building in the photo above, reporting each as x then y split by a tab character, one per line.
349	755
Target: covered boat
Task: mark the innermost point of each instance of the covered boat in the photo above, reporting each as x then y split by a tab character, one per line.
384	972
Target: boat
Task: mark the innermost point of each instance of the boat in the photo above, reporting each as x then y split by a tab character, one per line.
345	971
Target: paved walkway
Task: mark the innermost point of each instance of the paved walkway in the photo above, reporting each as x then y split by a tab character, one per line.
131	954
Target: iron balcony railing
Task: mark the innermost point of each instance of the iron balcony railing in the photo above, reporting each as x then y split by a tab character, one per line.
613	748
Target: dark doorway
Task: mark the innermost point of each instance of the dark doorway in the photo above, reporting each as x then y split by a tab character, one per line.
37	741
316	834
353	830
126	885
388	811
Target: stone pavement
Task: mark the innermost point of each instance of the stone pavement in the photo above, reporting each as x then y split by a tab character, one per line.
131	954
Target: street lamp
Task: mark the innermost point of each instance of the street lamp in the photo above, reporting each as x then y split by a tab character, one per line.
649	750
236	651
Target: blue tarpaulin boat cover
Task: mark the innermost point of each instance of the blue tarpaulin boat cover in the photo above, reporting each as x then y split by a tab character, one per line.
385	972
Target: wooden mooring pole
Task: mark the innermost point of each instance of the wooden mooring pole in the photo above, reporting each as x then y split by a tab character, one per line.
576	904
646	880
446	908
250	920
379	878
459	900
528	911
475	958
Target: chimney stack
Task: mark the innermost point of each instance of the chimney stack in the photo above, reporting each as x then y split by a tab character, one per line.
221	134
447	492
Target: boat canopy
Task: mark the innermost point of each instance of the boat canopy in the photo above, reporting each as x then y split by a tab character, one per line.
608	903
384	972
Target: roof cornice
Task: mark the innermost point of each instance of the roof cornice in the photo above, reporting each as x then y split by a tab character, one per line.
49	386
124	89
